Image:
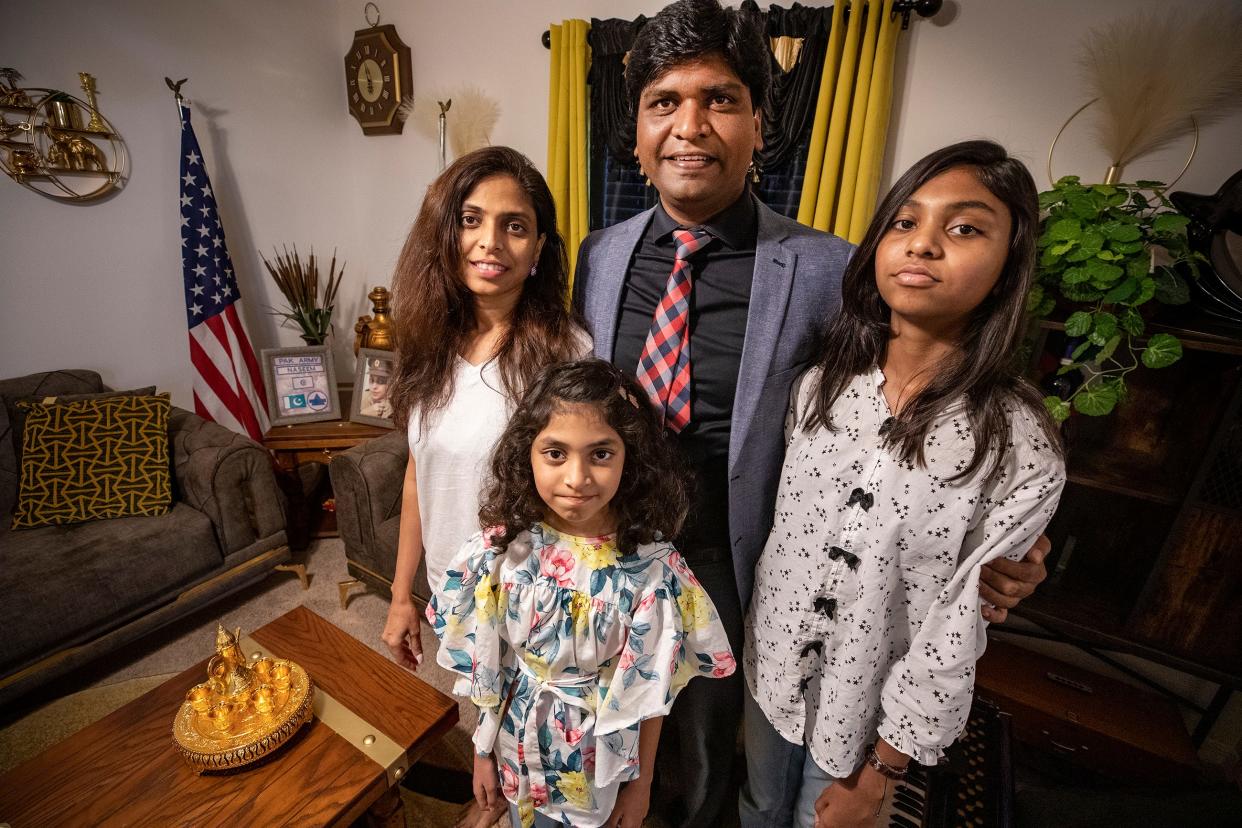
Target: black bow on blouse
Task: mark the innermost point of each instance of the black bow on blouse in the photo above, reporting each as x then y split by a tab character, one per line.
836	553
863	499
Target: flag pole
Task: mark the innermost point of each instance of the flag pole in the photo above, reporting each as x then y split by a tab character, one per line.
228	381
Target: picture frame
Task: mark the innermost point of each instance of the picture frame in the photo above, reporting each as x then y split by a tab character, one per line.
300	384
369	404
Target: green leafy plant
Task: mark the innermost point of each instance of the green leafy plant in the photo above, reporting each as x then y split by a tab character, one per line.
299	282
1095	264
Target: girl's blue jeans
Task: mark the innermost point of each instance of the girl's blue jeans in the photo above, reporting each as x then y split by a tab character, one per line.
782	780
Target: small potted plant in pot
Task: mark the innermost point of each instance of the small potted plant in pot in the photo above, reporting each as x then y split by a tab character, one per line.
298	280
1109	254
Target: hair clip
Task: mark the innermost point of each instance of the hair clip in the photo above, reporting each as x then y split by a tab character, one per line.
625	394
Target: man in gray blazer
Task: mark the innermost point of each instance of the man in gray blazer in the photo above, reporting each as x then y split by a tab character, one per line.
762	286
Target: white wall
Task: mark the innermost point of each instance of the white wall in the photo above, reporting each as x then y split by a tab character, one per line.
100	286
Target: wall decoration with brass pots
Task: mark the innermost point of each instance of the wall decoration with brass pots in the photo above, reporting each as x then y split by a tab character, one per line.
59	145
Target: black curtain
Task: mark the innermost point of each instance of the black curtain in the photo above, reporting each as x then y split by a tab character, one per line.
617	189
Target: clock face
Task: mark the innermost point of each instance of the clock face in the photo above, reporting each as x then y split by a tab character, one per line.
371	81
377	77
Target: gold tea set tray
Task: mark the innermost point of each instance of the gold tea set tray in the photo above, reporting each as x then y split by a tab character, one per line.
244	711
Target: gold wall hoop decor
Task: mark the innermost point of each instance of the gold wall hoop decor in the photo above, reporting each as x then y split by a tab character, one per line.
59	145
1114	170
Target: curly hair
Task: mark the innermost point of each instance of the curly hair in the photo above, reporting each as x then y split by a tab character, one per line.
652	499
433	310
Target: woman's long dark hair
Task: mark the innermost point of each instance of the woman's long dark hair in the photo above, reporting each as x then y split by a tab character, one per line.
651	501
433	310
982	371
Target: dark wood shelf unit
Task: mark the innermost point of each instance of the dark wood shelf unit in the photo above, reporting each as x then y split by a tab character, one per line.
1147	542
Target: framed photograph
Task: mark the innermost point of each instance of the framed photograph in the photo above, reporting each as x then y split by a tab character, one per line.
301	385
372	376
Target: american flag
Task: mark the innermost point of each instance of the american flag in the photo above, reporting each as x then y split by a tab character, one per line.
228	386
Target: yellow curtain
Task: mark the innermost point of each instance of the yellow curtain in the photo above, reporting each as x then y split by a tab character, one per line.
842	177
567	134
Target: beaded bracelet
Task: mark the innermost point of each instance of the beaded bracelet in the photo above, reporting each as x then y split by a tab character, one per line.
880	766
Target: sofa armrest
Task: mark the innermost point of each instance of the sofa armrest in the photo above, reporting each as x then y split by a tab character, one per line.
367	481
227	477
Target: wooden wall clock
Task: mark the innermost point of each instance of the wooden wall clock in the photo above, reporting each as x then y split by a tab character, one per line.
377	77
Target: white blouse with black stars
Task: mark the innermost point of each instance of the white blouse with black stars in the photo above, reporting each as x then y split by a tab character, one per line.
866	617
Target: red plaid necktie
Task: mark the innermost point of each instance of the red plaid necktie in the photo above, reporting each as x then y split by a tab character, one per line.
664	367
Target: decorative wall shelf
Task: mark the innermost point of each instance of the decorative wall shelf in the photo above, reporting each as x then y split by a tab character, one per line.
58	145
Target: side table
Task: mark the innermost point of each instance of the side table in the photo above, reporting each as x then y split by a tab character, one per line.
295	445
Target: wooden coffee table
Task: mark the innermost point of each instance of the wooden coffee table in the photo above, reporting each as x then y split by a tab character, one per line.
125	769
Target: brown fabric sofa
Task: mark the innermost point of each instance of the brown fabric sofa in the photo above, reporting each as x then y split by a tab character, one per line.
77	591
366	482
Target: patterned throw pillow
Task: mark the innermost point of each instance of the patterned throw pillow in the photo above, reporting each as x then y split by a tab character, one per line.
17	412
96	458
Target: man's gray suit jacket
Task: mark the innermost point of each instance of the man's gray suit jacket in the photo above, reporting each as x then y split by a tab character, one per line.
796	288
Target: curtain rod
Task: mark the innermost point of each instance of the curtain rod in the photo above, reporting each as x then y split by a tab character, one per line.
923	8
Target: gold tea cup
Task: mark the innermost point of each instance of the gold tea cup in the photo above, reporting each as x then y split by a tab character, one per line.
199	697
221	716
280	675
263	668
262	698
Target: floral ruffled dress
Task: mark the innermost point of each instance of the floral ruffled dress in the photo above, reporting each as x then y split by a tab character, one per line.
584	643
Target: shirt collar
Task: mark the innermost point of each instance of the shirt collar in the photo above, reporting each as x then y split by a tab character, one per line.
737	226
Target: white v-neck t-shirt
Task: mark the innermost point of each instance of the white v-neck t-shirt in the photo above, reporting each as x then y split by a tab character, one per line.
451	459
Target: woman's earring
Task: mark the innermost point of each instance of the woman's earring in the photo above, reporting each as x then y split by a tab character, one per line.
646	180
753	170
534	269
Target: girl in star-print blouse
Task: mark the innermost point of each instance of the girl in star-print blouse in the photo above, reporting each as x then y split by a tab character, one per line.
915	455
574	622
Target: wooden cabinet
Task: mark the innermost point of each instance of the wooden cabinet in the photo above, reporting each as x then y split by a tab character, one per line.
1085	719
1147	543
294	446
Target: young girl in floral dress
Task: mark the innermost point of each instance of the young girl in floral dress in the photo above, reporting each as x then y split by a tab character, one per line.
576	624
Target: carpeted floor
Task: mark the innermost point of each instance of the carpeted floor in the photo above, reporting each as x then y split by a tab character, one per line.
92	693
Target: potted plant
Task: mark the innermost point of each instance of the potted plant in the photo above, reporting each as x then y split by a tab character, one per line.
1101	265
299	282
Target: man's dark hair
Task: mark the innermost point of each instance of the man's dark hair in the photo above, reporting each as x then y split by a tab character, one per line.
688	30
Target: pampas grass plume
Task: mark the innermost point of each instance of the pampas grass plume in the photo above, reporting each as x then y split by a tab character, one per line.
470	121
1153	72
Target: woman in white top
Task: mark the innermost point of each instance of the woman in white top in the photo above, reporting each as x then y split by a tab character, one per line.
479	307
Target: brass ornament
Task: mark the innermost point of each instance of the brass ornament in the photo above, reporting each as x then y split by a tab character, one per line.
375	330
88	86
244	711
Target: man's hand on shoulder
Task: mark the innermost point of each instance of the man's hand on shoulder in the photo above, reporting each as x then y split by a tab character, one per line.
1003	584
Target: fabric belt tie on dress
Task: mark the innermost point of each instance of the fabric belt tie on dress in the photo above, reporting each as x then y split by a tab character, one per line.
530	733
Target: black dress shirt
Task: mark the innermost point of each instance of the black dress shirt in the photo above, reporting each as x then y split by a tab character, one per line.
722	273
